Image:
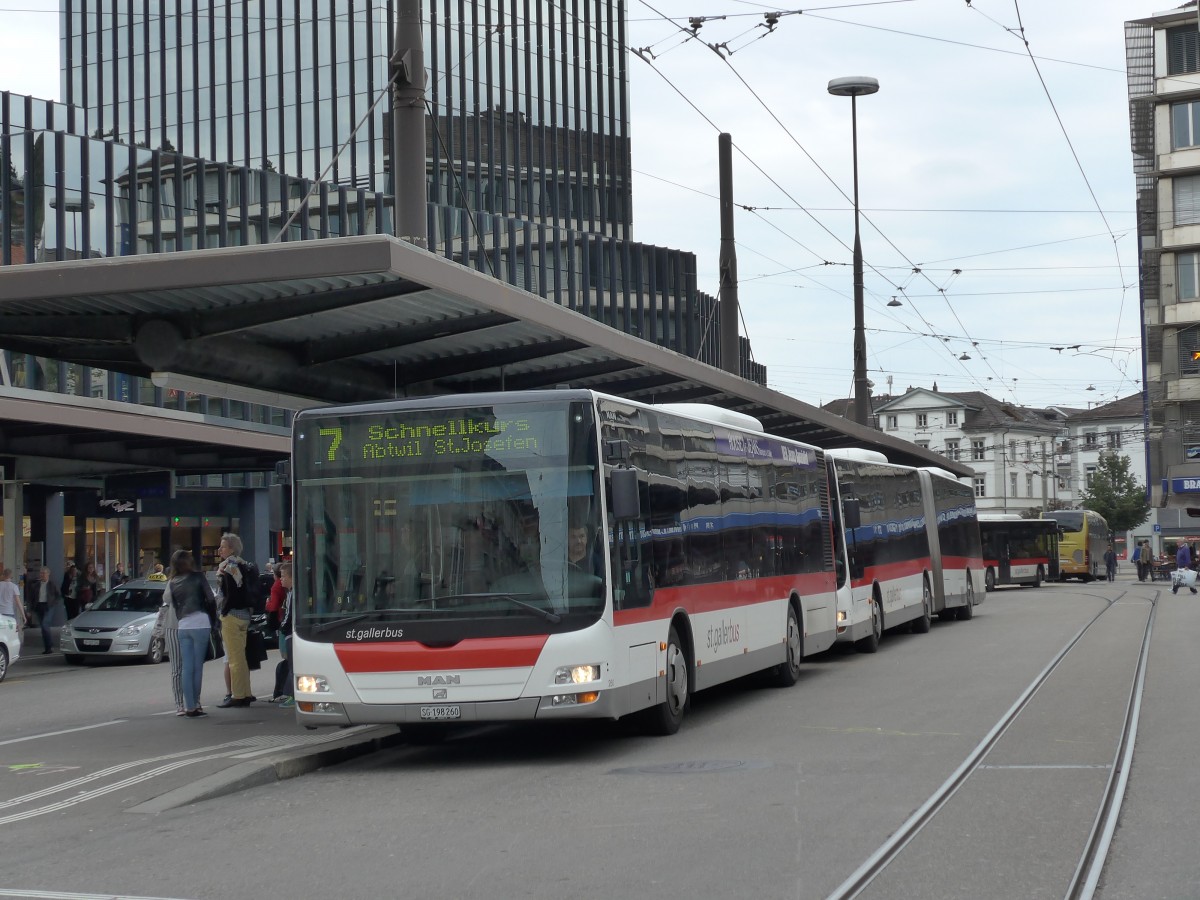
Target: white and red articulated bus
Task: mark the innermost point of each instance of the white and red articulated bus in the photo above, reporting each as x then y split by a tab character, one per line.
910	537
552	555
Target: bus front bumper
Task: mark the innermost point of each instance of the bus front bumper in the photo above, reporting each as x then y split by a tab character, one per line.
314	711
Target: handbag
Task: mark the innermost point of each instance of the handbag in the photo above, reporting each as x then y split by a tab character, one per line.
256	649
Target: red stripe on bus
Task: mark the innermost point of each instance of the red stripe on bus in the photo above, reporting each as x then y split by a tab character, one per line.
472	653
892	571
719	595
1020	561
959	563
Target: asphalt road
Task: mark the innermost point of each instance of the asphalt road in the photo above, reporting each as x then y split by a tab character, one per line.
765	792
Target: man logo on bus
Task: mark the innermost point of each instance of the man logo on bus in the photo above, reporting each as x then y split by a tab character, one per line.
430	680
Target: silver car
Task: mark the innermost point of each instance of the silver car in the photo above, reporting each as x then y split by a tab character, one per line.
10	644
120	623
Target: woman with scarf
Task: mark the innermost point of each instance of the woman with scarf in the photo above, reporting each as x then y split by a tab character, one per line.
232	576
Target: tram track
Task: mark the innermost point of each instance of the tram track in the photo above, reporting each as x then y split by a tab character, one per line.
1083	883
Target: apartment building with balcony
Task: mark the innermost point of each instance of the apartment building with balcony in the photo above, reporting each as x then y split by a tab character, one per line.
1163	64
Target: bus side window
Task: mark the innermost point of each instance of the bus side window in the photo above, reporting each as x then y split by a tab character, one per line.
632	583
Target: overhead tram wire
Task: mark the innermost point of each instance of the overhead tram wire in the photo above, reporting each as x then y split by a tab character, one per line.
916	269
689	35
1074	155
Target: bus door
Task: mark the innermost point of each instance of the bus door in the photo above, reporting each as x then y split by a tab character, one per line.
841	561
1003	558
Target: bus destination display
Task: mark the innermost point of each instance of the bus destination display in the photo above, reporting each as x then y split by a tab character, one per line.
359	439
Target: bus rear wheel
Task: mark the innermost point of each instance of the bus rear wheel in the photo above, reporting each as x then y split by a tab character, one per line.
666	718
989	581
1041	576
787	672
967	610
921	624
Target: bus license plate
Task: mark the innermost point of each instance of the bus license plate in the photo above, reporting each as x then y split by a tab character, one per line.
440	712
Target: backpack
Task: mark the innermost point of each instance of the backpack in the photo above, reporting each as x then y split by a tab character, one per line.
252	584
246	596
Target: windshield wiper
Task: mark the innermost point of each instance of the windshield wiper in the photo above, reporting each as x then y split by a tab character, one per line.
552	617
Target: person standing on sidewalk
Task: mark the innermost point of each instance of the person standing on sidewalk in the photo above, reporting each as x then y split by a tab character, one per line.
235	619
10	601
70	577
188	596
1110	563
285	687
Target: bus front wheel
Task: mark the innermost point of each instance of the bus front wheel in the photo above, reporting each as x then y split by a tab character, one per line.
787	672
870	643
989	581
666	718
1041	576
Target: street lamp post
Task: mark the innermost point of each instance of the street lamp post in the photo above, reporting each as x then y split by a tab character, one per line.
853	87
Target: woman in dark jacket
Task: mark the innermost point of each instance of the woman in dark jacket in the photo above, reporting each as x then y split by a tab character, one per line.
88	588
194	606
68	590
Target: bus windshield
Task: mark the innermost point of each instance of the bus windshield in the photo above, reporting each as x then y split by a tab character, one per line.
1070	520
440	524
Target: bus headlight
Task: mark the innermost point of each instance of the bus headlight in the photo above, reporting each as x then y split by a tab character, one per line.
312	684
576	674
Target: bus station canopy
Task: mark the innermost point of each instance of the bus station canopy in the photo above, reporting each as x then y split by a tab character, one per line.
365	318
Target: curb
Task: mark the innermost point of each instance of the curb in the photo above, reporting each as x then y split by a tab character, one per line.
271	769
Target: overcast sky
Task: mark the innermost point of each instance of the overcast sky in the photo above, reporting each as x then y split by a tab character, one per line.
1000	170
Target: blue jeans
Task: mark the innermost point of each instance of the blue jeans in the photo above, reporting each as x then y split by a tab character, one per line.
193	645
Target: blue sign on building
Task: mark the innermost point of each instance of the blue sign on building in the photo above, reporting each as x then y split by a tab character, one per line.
1185	485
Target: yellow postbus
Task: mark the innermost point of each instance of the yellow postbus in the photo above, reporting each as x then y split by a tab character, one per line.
1084	538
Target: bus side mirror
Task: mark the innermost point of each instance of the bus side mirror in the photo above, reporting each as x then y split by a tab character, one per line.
623	494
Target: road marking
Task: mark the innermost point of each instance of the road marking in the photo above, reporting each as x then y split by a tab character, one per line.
36	737
63	895
245	748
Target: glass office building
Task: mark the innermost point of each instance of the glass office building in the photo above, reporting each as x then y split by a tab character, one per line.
527	102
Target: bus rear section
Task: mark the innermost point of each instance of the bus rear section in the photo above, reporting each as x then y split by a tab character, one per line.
1083	538
1019	551
957	552
547	555
887	541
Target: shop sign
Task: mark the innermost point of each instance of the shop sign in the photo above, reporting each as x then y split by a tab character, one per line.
113	507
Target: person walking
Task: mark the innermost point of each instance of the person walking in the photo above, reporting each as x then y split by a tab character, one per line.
1110	563
188	594
232	577
1183	562
1136	559
50	610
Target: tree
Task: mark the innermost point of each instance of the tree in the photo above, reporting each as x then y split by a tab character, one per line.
1116	494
